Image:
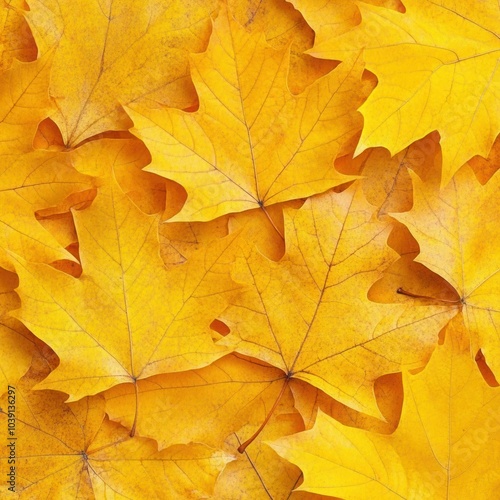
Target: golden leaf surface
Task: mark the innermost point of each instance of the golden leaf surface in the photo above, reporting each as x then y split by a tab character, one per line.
223	396
449	436
30	180
16	40
259	473
287	29
437	67
457	229
332	18
74	451
124	281
16	343
309	314
251	143
24	101
119	50
201	249
34	181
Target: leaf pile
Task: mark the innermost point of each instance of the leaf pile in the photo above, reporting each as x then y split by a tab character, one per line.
250	249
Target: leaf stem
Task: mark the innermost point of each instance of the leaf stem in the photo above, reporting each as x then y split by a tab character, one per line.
401	291
272	222
134	425
249	441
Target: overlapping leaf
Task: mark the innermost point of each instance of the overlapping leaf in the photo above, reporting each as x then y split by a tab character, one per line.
74	451
331	19
437	66
457	229
223	397
263	257
260	473
448	437
29	180
24	101
16	40
125	282
287	29
16	343
309	314
251	143
120	52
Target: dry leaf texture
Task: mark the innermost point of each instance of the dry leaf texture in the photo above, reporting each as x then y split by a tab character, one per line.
249	249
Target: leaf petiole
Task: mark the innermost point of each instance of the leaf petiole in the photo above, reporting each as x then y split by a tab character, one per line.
401	291
250	440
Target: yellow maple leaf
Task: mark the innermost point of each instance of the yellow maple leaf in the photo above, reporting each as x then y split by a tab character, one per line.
125	282
287	29
448	437
222	396
73	451
331	18
388	184
279	286
118	51
460	248
387	390
30	180
484	168
251	143
309	314
437	66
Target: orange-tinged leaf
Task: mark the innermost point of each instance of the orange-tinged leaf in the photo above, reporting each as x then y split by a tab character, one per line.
123	296
251	143
179	239
16	40
61	226
222	397
309	313
457	229
328	19
437	66
48	136
484	168
73	451
448	437
288	23
266	227
402	241
132	44
407	274
387	183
